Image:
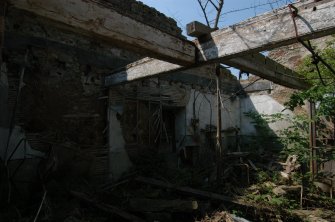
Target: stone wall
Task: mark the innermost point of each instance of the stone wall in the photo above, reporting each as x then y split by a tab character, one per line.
291	56
62	106
59	102
61	115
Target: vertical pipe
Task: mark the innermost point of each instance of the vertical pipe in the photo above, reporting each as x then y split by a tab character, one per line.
219	126
312	139
2	26
4	117
149	122
173	127
137	121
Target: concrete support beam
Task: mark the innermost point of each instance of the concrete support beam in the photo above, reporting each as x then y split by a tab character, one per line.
134	71
97	18
268	31
266	68
2	26
256	64
264	32
197	29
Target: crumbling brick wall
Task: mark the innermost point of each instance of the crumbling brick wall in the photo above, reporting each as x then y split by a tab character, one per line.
145	14
62	99
291	56
63	103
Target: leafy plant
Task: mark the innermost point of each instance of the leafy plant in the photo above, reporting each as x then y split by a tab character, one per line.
295	140
322	94
261	121
262	176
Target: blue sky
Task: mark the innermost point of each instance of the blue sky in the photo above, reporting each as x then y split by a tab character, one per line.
185	11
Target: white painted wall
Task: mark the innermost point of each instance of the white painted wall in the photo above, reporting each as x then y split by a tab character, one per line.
119	162
204	108
263	104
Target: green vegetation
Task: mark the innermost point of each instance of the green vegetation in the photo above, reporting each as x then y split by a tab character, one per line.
323	94
294	139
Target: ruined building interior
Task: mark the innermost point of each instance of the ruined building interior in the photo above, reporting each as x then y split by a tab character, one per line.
76	146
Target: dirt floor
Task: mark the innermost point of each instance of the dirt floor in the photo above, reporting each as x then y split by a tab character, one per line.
153	191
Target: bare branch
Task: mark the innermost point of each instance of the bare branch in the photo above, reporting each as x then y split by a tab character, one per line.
218	14
217	9
203	8
218	5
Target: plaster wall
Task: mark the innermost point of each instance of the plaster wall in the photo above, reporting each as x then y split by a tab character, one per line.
119	162
205	106
262	104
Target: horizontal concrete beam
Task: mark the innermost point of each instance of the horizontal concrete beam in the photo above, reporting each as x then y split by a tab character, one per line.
269	31
256	64
197	29
258	86
230	45
264	32
266	68
134	71
98	18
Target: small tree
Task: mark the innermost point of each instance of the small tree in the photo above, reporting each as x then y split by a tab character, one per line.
322	91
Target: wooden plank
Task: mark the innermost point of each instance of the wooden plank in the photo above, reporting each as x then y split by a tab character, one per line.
187	190
107	208
157	205
200	193
97	18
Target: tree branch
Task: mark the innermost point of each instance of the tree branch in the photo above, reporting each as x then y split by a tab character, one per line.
217	9
218	14
217	6
203	8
